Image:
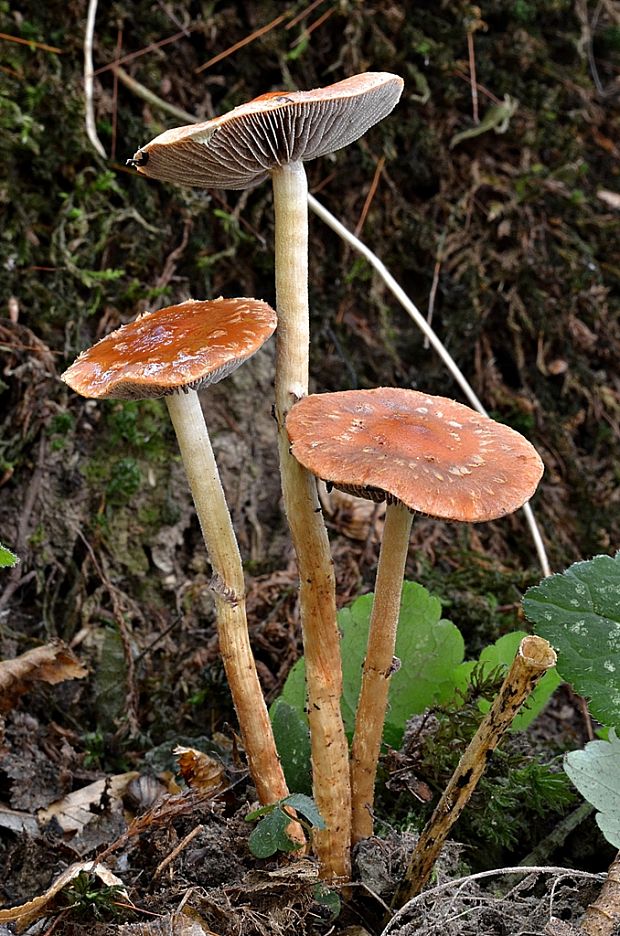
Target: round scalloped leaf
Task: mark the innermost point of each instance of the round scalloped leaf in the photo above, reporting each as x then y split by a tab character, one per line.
578	612
595	771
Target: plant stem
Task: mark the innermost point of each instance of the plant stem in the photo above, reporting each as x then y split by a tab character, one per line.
330	756
378	667
534	657
229	587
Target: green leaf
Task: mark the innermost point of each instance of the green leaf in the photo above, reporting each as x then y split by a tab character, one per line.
7	558
595	771
270	836
306	806
578	612
329	899
429	649
290	729
500	655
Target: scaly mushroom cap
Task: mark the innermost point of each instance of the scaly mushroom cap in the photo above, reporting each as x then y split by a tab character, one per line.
430	453
184	346
239	149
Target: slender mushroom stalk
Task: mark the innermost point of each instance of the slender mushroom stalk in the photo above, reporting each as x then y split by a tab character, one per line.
169	353
419	453
270	136
378	667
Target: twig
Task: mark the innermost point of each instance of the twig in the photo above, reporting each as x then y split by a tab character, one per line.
91	129
415	314
534	657
472	76
161	867
151	47
243	42
31	42
371	194
558	835
315	25
311	6
140	91
433	293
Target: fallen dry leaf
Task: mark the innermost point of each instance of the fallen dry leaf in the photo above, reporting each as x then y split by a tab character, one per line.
199	770
610	198
38	906
74	811
52	663
183	923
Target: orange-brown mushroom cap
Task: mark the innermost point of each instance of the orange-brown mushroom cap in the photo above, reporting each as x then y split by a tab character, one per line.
181	347
430	453
241	148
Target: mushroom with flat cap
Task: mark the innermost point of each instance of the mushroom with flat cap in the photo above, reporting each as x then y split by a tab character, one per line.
272	136
418	453
172	353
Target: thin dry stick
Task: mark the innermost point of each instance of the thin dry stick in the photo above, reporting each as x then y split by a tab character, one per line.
472	76
603	916
311	6
91	129
243	42
534	657
371	194
31	42
415	314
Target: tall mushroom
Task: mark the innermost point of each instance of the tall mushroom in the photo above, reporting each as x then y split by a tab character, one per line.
418	453
172	353
272	136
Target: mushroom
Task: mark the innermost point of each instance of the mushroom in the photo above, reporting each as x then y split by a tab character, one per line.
172	353
418	453
272	136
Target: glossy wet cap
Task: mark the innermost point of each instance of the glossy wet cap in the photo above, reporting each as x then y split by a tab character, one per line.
181	347
241	148
430	453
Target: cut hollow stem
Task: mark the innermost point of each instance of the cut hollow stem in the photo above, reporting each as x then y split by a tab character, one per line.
229	588
534	657
378	667
317	599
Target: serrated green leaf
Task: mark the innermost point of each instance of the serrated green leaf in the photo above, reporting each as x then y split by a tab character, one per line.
8	559
578	612
270	836
290	729
306	806
501	654
595	771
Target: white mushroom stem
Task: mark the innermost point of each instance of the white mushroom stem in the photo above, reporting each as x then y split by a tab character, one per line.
378	667
229	587
330	756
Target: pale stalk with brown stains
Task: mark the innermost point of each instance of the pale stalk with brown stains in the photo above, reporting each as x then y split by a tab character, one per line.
229	589
329	749
378	667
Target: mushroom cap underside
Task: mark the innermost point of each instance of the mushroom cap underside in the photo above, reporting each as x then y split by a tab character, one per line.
183	346
241	148
432	454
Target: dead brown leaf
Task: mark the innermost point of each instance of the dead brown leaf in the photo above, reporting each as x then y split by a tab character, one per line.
39	906
52	663
199	770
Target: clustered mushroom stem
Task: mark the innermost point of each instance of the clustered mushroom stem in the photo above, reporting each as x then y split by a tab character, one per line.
329	749
534	657
378	667
229	587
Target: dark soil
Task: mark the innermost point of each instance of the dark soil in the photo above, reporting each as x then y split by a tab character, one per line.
516	234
